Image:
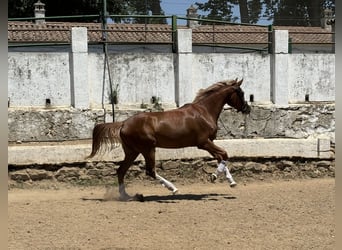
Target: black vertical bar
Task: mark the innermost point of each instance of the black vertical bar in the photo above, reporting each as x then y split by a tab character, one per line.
270	43
105	51
290	46
174	34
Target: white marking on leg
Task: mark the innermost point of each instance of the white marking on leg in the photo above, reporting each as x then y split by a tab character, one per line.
123	195
221	167
229	177
219	170
167	184
228	174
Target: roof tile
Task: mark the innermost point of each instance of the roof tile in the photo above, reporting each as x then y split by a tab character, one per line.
159	33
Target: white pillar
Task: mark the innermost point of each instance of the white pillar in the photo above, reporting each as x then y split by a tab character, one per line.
280	67
184	89
79	68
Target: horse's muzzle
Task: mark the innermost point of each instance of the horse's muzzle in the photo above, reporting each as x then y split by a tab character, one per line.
246	109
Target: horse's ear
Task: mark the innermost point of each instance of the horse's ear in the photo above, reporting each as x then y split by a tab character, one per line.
239	82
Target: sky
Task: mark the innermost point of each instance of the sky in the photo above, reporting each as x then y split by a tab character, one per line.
179	7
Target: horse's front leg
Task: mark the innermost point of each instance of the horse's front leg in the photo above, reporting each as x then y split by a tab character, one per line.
222	168
222	157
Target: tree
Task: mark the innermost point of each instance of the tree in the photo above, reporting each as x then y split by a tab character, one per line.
244	13
147	7
315	8
254	11
20	8
297	12
290	13
218	10
282	12
249	10
25	8
223	10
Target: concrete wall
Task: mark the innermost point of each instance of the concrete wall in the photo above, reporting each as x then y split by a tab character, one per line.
313	75
139	76
77	78
35	77
253	68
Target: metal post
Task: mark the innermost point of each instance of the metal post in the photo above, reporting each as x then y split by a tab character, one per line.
104	20
174	34
290	45
105	51
270	29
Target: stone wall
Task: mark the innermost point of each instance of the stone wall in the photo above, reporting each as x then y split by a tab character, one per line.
264	121
179	171
269	121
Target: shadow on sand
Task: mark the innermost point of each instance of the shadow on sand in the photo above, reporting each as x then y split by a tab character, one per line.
190	197
171	198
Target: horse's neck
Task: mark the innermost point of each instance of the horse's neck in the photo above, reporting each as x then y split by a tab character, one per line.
214	103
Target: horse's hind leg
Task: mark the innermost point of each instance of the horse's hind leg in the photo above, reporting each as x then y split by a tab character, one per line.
167	184
130	156
151	170
150	162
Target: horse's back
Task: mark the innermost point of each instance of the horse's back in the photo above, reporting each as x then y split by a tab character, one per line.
169	129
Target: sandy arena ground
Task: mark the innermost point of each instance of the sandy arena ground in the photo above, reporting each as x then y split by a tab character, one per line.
296	214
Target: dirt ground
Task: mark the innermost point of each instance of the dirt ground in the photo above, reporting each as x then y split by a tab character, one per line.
295	214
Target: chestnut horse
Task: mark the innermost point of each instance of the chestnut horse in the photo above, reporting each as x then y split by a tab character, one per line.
194	124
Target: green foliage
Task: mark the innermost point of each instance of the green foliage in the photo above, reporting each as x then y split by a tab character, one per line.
297	13
282	12
254	11
147	7
218	10
20	8
223	10
25	8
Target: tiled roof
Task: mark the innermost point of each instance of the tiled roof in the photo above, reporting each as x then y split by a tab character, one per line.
60	32
308	34
24	32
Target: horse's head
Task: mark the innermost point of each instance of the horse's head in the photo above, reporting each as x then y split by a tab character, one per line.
237	98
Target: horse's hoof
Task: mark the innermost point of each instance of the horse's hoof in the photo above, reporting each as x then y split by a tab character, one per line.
213	178
139	197
231	181
233	184
151	173
175	191
126	198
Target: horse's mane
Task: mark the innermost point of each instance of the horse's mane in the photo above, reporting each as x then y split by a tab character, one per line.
203	93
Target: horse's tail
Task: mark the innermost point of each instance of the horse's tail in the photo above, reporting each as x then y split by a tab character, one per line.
105	135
